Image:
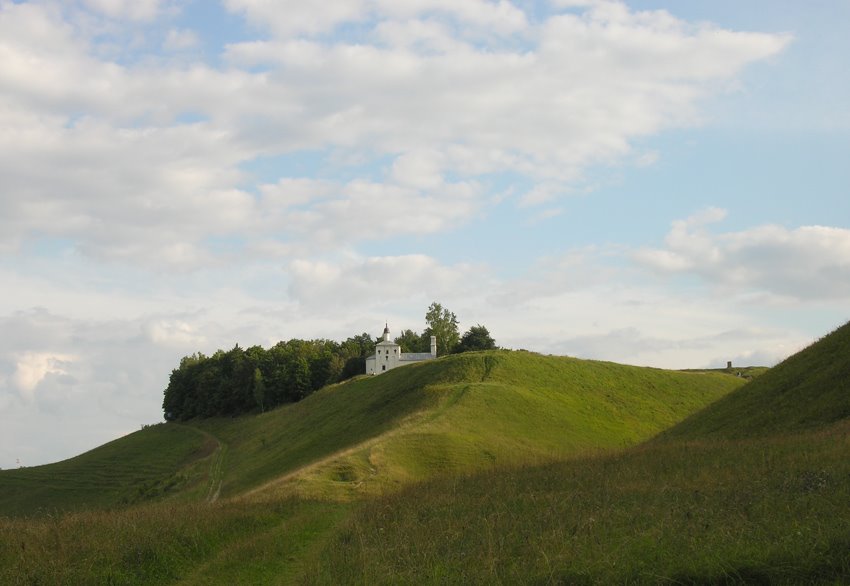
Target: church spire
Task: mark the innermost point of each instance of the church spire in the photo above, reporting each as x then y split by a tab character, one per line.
386	332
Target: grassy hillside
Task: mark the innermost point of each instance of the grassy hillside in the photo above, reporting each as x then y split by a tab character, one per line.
767	507
167	543
808	390
753	489
153	463
756	511
446	418
457	414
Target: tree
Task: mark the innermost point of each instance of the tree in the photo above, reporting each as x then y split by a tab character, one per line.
259	389
410	341
443	324
476	338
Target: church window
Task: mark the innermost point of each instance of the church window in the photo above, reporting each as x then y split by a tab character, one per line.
383	367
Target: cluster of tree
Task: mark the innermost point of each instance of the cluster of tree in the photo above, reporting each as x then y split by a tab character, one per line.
443	324
244	380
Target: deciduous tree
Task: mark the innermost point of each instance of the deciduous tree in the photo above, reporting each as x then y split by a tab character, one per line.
476	338
443	324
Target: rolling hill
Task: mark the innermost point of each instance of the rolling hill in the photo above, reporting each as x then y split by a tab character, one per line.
807	391
753	489
157	461
459	414
496	467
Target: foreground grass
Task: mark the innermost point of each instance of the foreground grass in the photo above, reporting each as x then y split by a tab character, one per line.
225	543
769	511
762	510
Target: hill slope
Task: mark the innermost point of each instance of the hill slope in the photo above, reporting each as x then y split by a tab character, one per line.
751	511
373	434
458	414
150	464
809	390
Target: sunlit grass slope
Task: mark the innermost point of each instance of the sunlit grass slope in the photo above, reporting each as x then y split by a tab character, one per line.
153	463
806	391
454	415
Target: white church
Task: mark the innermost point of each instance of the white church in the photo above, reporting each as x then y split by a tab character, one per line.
388	355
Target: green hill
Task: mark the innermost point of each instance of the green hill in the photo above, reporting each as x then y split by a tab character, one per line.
454	415
809	390
458	414
281	474
755	511
154	463
495	467
755	488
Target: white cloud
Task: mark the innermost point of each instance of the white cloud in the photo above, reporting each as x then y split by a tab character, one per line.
180	39
379	281
500	17
170	332
579	90
290	17
540	194
422	170
32	367
585	88
805	263
141	10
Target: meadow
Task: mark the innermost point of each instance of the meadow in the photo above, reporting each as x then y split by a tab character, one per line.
484	468
762	511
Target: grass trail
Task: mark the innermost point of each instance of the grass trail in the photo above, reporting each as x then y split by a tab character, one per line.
277	554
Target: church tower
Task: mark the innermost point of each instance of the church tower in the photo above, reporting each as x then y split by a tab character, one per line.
388	354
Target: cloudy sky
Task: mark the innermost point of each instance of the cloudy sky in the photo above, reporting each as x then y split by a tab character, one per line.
651	182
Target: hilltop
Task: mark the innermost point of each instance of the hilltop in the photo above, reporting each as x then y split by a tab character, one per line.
807	391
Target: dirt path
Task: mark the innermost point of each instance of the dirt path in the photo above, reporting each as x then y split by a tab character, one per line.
217	458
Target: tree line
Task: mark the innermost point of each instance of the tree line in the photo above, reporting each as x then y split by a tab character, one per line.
237	381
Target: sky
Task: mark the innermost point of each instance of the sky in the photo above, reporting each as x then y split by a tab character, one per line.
655	183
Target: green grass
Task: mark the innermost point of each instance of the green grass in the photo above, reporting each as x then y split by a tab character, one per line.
764	511
490	467
166	543
455	415
375	434
807	391
753	489
157	462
